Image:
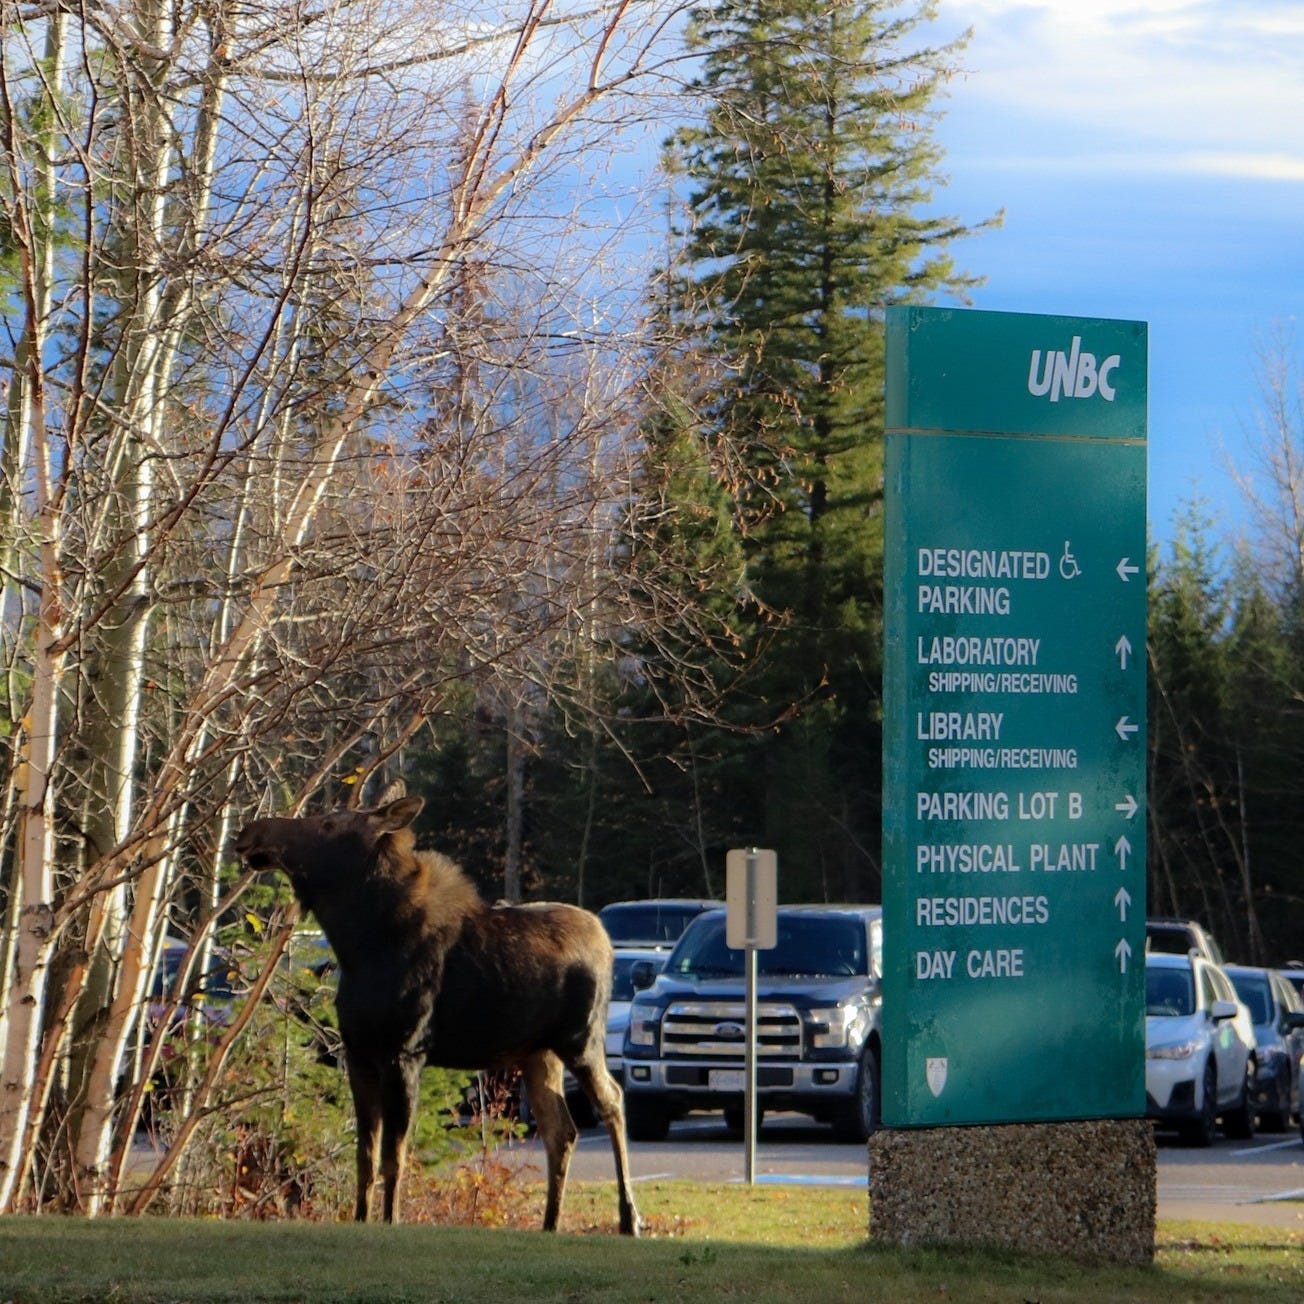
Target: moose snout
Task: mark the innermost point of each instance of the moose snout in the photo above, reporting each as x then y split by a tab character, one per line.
253	847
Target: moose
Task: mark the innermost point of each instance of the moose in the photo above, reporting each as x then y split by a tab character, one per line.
431	974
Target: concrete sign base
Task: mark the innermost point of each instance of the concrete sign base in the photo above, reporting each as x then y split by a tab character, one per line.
1086	1190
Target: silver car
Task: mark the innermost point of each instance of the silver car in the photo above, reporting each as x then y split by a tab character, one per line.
1278	1020
622	994
1201	1062
655	924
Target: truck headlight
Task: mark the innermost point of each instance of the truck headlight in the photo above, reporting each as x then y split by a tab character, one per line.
644	1022
829	1028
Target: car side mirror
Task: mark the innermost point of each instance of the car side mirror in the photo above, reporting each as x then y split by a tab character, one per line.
1221	1010
642	975
1294	1019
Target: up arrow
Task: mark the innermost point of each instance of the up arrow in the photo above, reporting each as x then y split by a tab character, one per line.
1122	899
1123	952
1128	806
1123	649
1125	728
1122	849
1126	569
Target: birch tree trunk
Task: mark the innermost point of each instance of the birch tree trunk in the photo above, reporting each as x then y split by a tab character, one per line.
27	452
146	364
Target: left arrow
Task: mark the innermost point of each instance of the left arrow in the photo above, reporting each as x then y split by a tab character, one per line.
1125	728
1126	569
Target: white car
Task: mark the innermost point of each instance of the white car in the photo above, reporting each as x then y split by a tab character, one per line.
1200	1049
622	996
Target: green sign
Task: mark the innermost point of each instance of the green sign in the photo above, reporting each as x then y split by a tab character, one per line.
1015	696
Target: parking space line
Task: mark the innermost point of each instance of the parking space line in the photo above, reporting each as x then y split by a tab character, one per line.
1297	1194
1266	1148
809	1179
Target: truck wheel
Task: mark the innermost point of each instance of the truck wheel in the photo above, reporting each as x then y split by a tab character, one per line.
859	1118
734	1118
646	1118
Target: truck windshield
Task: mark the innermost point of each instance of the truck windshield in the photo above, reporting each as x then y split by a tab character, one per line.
808	946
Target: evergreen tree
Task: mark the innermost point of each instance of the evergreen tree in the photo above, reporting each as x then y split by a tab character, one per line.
1226	739
808	186
1188	692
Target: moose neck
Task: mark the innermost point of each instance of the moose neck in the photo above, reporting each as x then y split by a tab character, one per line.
363	915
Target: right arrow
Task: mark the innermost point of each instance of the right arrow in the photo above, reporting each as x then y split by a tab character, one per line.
1128	806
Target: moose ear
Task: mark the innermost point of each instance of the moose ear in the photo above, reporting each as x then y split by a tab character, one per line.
398	814
393	791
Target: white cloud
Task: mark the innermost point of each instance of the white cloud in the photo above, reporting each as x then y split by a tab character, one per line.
1243	164
1205	86
1264	167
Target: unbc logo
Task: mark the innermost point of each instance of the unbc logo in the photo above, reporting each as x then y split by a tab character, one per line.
1075	374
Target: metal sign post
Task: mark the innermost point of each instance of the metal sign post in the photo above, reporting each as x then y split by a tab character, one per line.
751	881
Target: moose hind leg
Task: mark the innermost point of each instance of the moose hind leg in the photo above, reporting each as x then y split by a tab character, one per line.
609	1105
365	1085
544	1080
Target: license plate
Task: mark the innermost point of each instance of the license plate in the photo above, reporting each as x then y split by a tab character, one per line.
725	1079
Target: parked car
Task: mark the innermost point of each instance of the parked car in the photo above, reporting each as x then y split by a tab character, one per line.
209	992
1181	937
1293	972
1200	1051
622	997
655	924
622	994
818	1024
1278	1018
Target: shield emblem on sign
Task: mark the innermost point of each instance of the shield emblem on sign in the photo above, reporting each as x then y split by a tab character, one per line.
935	1072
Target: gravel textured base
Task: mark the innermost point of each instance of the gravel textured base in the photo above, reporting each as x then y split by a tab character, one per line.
1083	1189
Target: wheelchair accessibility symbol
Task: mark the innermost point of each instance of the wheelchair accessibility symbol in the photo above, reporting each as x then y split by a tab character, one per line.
1069	567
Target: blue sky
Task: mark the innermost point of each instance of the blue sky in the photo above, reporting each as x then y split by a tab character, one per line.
1150	161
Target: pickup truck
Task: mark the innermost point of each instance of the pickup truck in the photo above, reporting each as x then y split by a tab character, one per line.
818	1038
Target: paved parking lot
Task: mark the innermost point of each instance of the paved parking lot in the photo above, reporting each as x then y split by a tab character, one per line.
1259	1181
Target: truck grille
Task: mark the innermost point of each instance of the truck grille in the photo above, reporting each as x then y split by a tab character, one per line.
719	1029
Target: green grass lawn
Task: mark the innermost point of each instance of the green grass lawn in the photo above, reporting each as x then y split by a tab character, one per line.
789	1245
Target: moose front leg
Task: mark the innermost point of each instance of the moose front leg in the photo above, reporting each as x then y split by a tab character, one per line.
402	1085
365	1084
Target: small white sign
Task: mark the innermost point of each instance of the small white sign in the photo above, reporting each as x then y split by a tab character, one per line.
751	898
